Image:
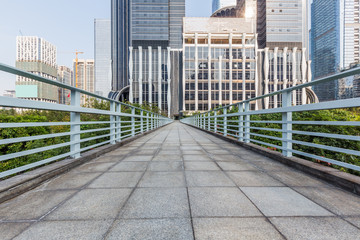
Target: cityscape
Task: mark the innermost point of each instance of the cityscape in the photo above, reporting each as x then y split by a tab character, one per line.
180	119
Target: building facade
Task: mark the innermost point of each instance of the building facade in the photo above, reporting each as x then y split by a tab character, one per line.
218	4
38	56
102	56
144	24
84	78
222	65
282	23
65	76
335	29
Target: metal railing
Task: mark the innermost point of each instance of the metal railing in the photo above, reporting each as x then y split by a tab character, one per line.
123	121
236	121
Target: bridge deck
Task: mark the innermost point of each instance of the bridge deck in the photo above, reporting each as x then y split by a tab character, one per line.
181	183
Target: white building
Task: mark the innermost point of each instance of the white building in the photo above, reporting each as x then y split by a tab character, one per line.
38	56
84	77
65	76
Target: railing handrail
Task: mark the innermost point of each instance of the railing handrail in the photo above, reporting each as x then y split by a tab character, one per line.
19	72
336	76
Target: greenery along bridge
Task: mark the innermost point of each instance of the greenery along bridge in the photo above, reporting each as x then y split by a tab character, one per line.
178	182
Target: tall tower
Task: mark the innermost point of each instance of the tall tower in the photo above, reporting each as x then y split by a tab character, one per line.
38	56
335	43
282	23
102	57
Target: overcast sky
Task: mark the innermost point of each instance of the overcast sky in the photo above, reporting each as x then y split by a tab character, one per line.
68	24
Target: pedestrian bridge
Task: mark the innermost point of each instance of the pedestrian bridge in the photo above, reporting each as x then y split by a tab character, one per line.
182	183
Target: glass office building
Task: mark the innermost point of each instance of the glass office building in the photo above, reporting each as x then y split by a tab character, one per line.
334	41
102	56
218	4
155	23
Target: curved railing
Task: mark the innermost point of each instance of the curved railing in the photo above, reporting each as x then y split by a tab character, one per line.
289	129
121	121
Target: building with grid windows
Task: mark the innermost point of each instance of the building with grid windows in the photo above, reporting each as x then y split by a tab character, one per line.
65	76
138	25
335	42
222	65
85	78
38	56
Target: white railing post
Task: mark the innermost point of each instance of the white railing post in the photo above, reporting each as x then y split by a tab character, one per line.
286	126
147	122
75	125
141	121
247	122
132	121
209	121
205	117
112	123
241	122
118	123
225	121
215	121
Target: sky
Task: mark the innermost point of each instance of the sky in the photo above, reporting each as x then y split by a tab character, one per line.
68	24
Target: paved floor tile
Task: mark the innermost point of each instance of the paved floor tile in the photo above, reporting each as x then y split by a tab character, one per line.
138	158
196	158
199	166
236	166
336	200
94	166
172	157
316	228
146	152
220	202
253	179
283	201
207	179
32	205
193	152
59	230
149	229
10	230
71	180
165	166
227	158
234	229
92	204
129	167
218	152
117	180
295	178
157	203
354	220
163	179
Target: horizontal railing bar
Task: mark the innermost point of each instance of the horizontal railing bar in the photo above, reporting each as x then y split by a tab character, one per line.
326	147
324	159
266	136
32	138
327	135
264	143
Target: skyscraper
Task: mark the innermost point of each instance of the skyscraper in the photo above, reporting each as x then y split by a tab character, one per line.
141	23
218	4
334	41
38	56
85	76
282	23
102	56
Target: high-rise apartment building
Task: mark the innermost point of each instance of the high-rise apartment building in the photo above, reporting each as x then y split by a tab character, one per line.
335	29
141	23
65	76
38	56
102	56
85	78
282	23
218	4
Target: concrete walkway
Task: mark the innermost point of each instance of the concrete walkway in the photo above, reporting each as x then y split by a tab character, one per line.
181	183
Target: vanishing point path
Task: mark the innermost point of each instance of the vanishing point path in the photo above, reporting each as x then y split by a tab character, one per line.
182	183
